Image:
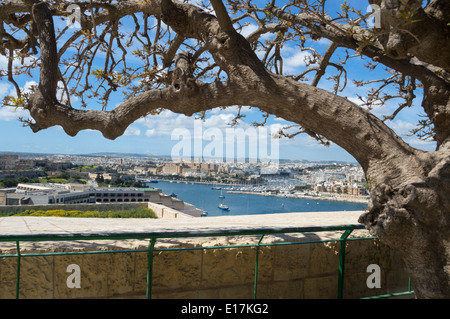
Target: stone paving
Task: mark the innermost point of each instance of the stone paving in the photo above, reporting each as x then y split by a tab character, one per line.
61	226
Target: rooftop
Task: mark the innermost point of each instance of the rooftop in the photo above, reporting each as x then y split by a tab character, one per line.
65	188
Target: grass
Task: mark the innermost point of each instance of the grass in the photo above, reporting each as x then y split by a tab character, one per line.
139	212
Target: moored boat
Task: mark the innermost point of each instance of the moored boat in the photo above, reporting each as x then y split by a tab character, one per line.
224	207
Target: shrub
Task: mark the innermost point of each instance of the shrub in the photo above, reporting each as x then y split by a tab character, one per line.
139	212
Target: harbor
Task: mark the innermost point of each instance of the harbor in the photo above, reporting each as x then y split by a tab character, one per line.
248	200
289	193
322	196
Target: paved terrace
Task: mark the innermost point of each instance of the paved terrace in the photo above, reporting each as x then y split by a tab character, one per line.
60	234
18	228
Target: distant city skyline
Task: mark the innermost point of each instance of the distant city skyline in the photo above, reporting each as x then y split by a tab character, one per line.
137	139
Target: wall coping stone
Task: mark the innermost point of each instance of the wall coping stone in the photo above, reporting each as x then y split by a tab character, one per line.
32	225
207	226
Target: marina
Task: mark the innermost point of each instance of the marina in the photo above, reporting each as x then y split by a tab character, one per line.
247	200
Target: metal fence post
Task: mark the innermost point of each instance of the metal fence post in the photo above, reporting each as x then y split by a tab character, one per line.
18	270
343	241
151	247
256	267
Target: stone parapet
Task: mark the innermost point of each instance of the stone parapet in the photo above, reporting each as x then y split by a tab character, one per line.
306	270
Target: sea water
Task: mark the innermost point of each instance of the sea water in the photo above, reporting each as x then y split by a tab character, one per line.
204	197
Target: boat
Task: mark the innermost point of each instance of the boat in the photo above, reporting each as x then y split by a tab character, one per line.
173	195
204	212
224	207
221	195
216	187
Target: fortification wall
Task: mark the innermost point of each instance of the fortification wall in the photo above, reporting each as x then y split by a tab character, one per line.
82	207
285	271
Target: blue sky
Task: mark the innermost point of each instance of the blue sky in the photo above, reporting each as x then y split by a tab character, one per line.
153	135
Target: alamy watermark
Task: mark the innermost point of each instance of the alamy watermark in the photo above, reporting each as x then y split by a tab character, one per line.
74	19
74	279
374	279
375	16
233	144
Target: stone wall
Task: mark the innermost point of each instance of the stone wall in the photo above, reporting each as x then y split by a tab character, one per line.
81	207
162	211
285	271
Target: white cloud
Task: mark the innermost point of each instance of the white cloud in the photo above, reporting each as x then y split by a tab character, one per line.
294	58
401	127
281	120
16	62
231	109
298	59
167	121
355	100
324	41
4	89
3	63
9	113
132	131
164	123
248	29
221	120
25	89
404	128
150	132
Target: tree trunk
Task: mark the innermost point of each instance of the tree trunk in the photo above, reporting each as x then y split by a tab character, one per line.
409	208
424	252
412	218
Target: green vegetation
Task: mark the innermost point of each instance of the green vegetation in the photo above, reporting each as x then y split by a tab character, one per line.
8	182
302	188
62	178
117	181
87	168
139	212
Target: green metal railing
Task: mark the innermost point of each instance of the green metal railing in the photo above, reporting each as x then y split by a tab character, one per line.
154	236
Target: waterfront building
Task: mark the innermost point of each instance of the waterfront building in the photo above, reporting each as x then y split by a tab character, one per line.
172	169
106	176
44	194
8	162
